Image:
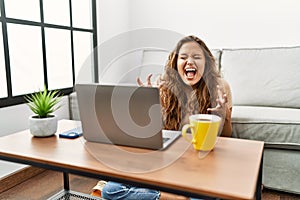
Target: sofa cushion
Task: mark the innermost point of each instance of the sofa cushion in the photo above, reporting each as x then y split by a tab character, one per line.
278	127
263	77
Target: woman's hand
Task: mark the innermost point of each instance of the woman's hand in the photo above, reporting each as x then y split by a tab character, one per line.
158	82
148	83
222	100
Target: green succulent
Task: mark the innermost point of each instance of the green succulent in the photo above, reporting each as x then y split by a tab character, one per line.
43	103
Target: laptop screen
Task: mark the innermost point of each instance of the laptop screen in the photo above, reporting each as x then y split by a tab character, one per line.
124	115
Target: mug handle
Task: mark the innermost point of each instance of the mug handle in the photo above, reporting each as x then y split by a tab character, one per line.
184	129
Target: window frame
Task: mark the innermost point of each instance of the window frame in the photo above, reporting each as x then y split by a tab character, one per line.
11	100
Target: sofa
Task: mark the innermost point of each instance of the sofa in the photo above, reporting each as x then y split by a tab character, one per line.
266	97
265	84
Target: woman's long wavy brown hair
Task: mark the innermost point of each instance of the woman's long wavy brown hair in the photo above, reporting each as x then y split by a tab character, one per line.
175	103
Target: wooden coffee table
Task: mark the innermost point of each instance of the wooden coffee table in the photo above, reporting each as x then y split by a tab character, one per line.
233	170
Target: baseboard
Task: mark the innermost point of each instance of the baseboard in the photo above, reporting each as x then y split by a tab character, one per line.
18	177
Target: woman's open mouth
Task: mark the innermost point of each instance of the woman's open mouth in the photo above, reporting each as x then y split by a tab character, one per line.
190	72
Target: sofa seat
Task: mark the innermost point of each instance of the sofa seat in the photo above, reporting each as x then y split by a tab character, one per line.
277	127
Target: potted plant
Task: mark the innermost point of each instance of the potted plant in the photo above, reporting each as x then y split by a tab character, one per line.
43	122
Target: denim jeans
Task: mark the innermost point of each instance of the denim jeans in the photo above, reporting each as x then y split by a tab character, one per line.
119	191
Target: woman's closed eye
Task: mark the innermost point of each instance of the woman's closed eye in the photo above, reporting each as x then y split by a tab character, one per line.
183	57
197	56
194	57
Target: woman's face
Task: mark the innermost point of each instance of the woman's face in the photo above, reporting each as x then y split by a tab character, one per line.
190	63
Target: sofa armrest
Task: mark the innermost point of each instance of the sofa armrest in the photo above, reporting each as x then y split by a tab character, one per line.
73	105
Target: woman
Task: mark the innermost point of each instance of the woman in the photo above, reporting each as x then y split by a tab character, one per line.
190	85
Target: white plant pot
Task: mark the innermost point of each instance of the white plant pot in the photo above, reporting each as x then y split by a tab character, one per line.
43	127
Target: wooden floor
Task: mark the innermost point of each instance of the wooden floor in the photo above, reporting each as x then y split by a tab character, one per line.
48	183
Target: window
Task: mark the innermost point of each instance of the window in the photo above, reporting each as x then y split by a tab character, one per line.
83	58
26	10
45	42
57	12
26	58
81	16
59	58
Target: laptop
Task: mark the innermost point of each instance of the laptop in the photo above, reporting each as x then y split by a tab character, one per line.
123	115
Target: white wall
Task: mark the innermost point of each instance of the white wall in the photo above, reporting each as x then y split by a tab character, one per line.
112	17
220	23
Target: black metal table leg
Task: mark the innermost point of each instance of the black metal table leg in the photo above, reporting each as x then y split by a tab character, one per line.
259	180
66	181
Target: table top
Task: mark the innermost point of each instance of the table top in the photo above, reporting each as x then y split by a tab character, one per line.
229	171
